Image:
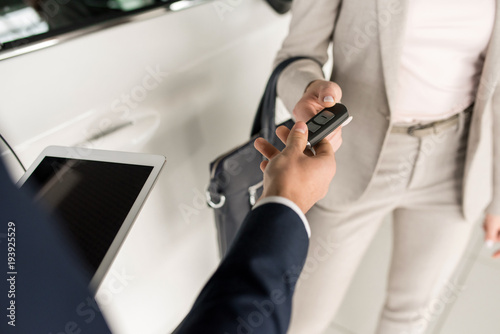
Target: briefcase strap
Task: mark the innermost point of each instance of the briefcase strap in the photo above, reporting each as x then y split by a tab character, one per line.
264	118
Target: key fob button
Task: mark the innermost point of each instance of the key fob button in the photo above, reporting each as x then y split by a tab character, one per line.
327	114
313	127
320	119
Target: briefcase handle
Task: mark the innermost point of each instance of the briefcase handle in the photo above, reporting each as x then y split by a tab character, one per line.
264	121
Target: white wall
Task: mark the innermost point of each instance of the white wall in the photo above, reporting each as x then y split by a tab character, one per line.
217	68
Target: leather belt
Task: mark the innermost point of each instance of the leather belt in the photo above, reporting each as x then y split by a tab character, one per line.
422	130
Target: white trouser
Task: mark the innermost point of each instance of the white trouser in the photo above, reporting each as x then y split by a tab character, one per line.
419	182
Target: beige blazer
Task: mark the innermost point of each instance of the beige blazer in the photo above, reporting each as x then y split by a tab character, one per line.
367	40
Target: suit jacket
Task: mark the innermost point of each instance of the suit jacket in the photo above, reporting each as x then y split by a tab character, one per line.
49	291
367	41
251	291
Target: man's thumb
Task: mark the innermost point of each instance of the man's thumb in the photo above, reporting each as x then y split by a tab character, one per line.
297	139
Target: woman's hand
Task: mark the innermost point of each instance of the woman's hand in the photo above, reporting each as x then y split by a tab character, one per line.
492	229
320	94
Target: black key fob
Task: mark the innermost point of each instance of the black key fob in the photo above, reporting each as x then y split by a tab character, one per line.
325	122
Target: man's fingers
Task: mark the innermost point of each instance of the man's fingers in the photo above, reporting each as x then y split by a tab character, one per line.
324	148
263	165
335	139
336	144
297	139
496	255
282	132
306	108
335	134
265	148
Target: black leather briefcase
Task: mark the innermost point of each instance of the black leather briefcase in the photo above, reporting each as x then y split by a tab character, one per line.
235	177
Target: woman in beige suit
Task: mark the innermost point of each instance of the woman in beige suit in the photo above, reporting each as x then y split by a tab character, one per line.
420	79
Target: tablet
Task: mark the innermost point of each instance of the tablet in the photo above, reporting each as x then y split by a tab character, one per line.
96	195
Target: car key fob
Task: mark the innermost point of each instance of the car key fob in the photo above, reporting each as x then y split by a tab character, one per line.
325	122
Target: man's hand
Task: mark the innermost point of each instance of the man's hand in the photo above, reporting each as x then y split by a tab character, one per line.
320	94
291	173
492	229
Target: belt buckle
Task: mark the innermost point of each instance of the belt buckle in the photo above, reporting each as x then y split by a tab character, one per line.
411	130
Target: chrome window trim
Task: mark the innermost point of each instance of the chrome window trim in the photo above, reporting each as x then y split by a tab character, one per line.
144	15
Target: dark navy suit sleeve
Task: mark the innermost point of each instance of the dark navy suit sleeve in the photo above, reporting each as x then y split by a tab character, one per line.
47	290
251	291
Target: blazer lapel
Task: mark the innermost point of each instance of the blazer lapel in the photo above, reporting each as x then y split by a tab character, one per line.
391	16
491	68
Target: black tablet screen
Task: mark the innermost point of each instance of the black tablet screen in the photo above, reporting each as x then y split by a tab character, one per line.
90	198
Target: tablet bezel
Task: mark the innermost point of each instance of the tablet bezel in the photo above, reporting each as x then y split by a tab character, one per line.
82	153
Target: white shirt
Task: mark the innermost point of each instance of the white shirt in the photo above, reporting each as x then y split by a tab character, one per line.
443	52
290	204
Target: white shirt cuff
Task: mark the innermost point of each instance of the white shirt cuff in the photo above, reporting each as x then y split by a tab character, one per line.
290	204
